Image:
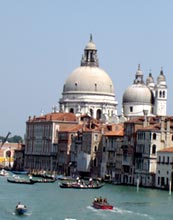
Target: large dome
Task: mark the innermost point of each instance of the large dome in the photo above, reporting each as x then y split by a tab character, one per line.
90	80
138	93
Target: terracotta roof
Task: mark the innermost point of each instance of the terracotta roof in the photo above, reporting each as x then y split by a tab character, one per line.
70	128
116	130
168	149
59	116
150	128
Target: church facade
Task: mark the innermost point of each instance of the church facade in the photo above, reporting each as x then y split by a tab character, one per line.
89	89
148	98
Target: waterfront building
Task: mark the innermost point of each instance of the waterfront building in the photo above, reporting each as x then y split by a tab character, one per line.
143	138
111	165
164	174
7	152
142	98
65	164
19	155
42	139
86	148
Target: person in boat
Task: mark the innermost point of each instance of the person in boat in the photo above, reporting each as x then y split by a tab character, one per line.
90	182
105	200
18	204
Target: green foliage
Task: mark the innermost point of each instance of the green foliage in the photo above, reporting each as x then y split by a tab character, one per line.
14	139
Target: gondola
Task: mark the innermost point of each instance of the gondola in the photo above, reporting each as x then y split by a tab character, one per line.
19	181
43	180
81	186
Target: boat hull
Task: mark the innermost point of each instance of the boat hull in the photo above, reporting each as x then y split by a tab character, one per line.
18	181
80	186
103	206
21	211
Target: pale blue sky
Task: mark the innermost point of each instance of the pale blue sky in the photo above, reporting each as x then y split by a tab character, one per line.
41	43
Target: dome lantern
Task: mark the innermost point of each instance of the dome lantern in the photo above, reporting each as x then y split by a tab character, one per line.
89	57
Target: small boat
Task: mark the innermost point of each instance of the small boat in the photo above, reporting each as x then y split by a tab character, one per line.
100	203
3	173
20	209
19	181
76	185
43	180
19	172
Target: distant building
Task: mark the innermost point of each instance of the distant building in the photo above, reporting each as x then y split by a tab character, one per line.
145	98
164	174
42	139
7	153
111	165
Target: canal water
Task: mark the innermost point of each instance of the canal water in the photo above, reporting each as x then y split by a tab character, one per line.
47	201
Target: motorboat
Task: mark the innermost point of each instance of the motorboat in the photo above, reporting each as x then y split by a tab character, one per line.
100	203
4	173
20	209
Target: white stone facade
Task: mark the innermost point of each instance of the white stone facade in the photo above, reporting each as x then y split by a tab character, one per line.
89	89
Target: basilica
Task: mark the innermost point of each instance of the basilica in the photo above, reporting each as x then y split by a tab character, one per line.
90	90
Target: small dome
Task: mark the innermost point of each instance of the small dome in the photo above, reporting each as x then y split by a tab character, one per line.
149	79
139	71
89	79
161	77
90	46
138	93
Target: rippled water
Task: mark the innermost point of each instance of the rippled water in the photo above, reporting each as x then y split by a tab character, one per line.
47	201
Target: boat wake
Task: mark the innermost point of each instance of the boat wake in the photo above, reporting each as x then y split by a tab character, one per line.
122	212
25	214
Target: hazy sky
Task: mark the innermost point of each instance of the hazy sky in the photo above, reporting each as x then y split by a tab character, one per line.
42	42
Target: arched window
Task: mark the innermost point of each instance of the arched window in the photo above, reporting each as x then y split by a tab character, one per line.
163	94
71	110
154	136
99	114
160	94
91	112
131	108
154	149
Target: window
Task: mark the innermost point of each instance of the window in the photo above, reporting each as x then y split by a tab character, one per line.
158	180
154	149
168	160
154	136
131	108
91	112
163	94
71	110
160	94
99	113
